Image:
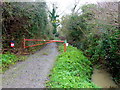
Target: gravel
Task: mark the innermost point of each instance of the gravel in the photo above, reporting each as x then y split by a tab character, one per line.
33	72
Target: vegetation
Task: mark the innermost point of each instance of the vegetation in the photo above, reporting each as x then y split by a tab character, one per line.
96	32
9	59
24	20
55	22
72	70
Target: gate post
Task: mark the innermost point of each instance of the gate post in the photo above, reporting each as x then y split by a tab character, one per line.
65	47
24	42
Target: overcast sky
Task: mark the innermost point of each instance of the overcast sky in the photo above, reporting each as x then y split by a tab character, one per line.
65	6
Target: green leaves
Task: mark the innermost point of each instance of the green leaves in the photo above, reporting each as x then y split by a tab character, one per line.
55	23
7	59
24	20
72	70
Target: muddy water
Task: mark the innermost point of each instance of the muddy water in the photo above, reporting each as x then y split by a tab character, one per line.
102	78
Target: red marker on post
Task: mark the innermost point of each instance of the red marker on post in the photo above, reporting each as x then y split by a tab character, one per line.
12	44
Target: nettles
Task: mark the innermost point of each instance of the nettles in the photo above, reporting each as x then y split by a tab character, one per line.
72	70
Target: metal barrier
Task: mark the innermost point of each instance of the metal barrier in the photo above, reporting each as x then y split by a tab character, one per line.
46	42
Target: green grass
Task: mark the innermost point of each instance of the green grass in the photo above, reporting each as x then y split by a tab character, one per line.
72	70
8	59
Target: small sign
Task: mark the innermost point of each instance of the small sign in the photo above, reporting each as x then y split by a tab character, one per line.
66	44
12	44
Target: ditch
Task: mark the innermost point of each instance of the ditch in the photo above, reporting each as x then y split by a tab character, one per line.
102	78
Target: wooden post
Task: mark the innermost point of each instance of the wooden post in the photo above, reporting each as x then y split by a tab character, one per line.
24	42
65	47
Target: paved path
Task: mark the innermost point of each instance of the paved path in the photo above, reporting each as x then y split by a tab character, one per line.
33	72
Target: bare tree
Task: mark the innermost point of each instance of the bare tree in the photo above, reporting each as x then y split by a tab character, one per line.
76	3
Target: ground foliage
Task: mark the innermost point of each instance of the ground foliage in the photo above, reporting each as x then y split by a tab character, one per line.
8	59
96	32
72	70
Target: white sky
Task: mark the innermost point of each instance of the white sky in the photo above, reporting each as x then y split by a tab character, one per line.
65	6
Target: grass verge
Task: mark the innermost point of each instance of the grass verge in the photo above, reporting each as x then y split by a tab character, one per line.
8	59
71	70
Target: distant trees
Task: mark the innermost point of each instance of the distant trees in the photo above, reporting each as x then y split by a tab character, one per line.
55	22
